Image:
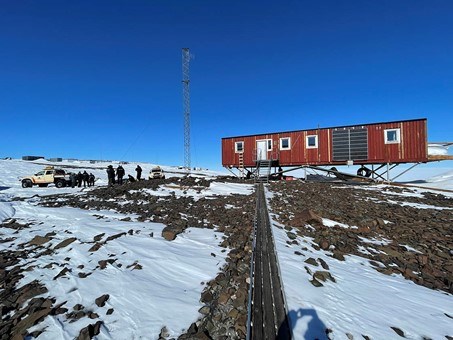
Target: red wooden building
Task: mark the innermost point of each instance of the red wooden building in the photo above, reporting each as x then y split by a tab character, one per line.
378	143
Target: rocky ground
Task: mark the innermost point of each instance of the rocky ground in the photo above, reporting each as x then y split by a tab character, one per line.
414	242
224	313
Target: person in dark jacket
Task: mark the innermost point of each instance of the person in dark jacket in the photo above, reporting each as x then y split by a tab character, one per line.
79	179
73	179
85	178
120	173
91	180
111	175
139	172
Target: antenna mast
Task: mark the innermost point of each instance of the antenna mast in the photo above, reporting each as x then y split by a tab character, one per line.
186	105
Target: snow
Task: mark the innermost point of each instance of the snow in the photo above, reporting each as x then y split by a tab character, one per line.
437	149
214	189
330	223
166	291
362	301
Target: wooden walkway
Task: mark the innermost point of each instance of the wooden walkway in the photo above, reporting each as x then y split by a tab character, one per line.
267	315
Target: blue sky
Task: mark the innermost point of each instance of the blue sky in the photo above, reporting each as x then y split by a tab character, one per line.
102	79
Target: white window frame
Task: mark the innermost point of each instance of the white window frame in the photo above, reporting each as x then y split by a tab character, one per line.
289	143
236	150
311	146
398	136
269	144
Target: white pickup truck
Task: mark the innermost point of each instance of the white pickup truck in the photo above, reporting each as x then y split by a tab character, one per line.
156	173
47	176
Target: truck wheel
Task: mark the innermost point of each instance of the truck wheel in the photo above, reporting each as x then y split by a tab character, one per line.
59	184
26	183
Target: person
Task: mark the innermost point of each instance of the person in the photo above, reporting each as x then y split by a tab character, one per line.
91	180
72	177
79	179
85	178
139	172
280	173
111	175
120	174
131	179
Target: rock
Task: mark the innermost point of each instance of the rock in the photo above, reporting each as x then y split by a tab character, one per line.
206	296
83	275
90	331
62	273
311	261
323	264
223	298
78	307
233	313
309	217
169	233
164	333
39	240
339	256
65	243
30	320
316	283
193	329
324	244
110	238
204	310
291	236
398	331
103	263
100	301
95	247
92	315
99	237
323	276
109	311
58	309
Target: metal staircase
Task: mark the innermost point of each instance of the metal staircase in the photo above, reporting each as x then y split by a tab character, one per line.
263	170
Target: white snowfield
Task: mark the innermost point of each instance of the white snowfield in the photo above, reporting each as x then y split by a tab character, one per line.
166	290
437	149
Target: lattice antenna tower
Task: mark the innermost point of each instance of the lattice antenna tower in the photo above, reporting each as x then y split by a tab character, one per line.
186	105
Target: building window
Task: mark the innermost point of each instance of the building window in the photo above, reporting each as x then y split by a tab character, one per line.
312	142
285	143
269	145
392	136
239	147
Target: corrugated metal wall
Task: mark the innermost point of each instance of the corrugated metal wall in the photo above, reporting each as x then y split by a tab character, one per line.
411	148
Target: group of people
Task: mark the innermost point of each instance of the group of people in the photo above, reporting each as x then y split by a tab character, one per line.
86	178
119	174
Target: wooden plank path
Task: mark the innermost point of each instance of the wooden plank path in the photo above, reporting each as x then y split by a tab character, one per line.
267	315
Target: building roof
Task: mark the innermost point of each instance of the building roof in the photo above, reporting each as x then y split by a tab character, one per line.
331	127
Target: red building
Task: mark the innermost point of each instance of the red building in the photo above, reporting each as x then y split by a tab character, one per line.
377	143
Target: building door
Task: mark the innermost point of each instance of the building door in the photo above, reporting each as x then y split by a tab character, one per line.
261	150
